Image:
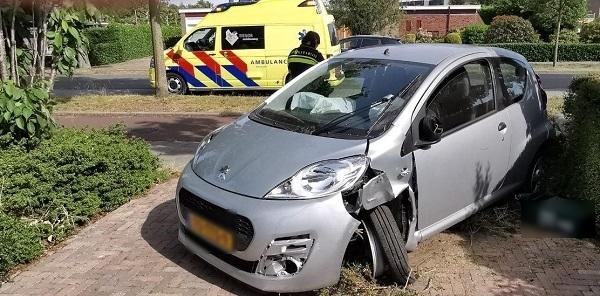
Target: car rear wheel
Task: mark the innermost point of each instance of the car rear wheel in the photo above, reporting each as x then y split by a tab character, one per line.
390	238
535	179
176	84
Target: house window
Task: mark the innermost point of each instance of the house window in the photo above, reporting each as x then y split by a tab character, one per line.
408	26
419	24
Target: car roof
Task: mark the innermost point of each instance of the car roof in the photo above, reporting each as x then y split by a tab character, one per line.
428	53
370	36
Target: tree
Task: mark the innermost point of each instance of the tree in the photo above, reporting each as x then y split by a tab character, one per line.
366	16
160	70
555	14
202	4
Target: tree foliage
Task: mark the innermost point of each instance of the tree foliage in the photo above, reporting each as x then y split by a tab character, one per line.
591	32
543	14
366	16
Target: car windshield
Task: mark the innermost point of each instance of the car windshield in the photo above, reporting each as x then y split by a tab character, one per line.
343	97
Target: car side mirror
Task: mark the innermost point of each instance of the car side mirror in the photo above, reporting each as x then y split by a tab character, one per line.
430	131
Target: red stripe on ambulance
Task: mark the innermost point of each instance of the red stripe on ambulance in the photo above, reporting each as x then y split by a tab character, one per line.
235	60
183	63
208	61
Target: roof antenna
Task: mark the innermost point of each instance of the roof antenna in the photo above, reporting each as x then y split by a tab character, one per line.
386	51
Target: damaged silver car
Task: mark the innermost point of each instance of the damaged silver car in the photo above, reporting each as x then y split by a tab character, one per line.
365	155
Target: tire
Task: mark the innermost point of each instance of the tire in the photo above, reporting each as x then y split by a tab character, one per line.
176	84
534	183
386	231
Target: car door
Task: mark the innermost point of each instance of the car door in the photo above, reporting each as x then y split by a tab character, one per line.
198	60
471	159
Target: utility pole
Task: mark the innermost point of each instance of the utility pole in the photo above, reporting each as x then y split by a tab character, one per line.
160	70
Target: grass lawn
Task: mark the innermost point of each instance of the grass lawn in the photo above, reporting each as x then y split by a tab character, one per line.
567	67
139	103
556	106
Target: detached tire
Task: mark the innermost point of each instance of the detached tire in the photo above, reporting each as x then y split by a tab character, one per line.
390	238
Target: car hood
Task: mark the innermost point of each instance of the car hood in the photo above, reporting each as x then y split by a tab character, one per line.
251	159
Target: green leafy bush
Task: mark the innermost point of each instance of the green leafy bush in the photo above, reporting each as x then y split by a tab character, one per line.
24	115
591	32
409	38
511	29
423	36
19	242
544	52
487	13
474	34
122	42
582	108
453	38
566	36
71	177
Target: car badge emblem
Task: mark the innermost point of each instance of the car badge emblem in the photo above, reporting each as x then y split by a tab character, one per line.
223	173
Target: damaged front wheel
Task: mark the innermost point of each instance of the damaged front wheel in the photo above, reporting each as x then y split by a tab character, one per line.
386	231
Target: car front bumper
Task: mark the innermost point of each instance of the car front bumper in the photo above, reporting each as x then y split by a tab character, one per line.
324	220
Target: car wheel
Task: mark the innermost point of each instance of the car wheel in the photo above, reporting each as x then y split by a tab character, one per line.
176	84
386	231
535	179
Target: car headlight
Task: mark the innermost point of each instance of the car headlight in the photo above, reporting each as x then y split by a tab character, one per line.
322	179
201	147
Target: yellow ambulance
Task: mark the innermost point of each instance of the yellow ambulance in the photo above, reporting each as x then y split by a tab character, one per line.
244	45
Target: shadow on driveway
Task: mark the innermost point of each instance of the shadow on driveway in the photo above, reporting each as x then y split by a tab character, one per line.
160	232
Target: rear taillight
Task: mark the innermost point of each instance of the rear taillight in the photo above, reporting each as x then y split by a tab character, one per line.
543	94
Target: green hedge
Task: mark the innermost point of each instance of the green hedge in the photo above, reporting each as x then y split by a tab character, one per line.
65	181
544	52
582	157
122	42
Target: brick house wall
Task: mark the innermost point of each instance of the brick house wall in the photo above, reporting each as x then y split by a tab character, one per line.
438	23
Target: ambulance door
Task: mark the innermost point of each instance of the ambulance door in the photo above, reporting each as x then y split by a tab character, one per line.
242	49
196	59
281	39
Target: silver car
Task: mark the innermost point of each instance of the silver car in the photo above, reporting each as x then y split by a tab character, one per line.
365	155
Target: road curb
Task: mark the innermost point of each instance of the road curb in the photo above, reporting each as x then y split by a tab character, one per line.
173	114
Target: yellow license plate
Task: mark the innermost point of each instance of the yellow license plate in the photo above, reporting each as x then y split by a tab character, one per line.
212	233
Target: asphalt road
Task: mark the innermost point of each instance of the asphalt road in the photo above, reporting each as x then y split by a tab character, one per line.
121	84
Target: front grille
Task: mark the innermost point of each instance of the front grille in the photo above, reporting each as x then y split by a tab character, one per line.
239	225
247	266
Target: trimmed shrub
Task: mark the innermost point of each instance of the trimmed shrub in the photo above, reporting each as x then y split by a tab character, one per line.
123	42
582	108
409	38
73	176
19	243
423	36
453	38
566	36
511	29
474	34
544	52
591	32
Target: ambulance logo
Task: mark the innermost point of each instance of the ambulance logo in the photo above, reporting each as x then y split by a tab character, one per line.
231	37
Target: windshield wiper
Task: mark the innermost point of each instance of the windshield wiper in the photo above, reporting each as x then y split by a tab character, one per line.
275	123
384	100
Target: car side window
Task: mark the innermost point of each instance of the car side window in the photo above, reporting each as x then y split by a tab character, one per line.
201	40
464	96
350	44
513	78
248	37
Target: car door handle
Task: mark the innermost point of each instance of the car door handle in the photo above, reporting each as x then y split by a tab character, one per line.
502	126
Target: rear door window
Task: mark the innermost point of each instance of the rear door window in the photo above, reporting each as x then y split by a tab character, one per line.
513	80
239	38
467	94
350	44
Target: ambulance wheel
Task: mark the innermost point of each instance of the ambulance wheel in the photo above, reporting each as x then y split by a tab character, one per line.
390	238
176	84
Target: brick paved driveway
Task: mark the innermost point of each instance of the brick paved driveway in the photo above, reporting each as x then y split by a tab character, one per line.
134	251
